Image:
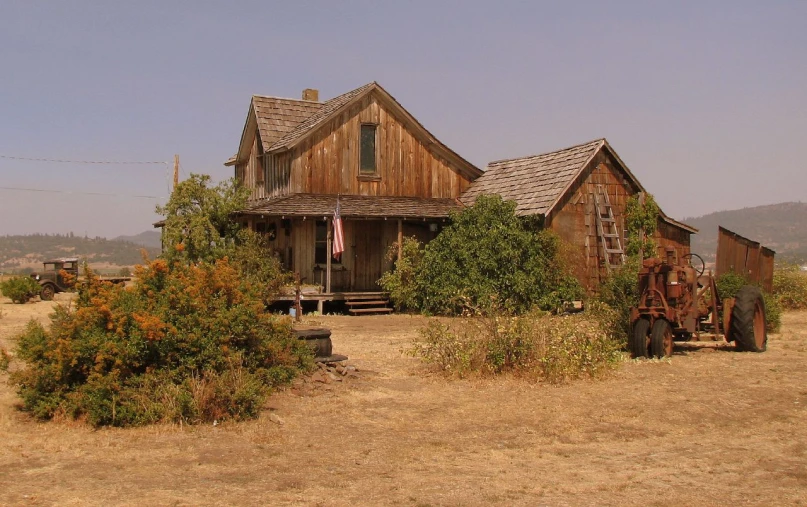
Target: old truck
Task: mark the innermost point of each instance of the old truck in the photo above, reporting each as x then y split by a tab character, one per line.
60	275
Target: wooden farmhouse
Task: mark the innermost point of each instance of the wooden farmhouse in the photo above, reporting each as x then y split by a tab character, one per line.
580	192
390	176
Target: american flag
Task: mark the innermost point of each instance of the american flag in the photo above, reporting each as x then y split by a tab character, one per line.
338	233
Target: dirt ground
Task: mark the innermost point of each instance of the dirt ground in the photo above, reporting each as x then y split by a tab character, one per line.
708	427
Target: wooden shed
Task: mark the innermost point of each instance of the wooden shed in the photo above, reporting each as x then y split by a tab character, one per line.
580	192
390	176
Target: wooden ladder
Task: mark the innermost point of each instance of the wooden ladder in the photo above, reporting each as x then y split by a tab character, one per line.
612	250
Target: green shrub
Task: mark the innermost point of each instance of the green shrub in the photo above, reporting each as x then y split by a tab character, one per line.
790	287
487	254
620	291
188	342
535	345
20	289
401	282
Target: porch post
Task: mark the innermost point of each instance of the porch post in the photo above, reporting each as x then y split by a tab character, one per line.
400	239
329	251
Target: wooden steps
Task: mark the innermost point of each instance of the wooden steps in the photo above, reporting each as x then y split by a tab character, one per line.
368	304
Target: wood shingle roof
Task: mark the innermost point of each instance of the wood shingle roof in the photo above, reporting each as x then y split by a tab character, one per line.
354	206
277	117
534	182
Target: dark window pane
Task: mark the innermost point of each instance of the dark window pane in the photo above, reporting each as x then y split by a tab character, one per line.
321	243
367	163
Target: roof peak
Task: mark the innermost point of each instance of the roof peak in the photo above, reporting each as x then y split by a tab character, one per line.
601	140
257	95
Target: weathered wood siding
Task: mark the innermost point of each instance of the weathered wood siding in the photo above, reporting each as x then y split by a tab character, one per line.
251	172
668	235
328	161
737	254
575	221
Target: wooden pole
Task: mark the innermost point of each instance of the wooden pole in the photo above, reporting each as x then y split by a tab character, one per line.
329	252
400	239
176	171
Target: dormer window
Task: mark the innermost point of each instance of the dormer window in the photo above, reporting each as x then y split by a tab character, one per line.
367	143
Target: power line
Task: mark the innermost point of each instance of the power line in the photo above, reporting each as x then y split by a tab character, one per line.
71	192
65	161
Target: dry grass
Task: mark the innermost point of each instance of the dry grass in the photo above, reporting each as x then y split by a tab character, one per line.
709	427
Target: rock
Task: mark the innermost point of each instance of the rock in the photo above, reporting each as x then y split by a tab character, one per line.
276	419
319	377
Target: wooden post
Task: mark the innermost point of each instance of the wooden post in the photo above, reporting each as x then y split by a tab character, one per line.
176	171
329	252
642	237
298	306
400	239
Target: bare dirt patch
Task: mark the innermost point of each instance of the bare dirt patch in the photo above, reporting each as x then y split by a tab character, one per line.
709	427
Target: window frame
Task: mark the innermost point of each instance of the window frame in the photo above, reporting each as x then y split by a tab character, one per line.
367	173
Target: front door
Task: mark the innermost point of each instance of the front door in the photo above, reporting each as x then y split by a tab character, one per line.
369	255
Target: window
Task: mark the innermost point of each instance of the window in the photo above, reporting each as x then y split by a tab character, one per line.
321	243
367	161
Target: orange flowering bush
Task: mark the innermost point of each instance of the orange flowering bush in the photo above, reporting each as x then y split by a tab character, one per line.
188	342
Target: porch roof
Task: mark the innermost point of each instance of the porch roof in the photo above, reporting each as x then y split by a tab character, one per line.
353	206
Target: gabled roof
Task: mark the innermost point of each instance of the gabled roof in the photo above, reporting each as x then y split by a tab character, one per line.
538	183
354	206
284	123
277	117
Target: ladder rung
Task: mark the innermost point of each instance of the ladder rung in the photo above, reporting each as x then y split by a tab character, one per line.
614	250
610	235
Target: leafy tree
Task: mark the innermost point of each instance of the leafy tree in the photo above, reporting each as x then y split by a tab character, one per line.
486	257
198	218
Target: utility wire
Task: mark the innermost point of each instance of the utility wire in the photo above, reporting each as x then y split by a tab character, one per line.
64	161
71	192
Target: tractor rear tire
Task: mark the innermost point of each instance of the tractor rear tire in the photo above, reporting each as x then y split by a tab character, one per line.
748	320
639	340
661	339
47	292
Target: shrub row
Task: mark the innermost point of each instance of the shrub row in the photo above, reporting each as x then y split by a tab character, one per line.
535	345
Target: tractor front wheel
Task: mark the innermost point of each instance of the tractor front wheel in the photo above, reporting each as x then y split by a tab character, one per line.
748	320
47	292
661	339
640	340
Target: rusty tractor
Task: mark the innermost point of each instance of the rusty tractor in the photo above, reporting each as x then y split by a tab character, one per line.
678	301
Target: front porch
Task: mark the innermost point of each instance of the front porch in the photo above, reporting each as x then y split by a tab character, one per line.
357	303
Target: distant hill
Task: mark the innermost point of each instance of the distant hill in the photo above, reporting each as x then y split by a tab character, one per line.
150	239
780	227
23	253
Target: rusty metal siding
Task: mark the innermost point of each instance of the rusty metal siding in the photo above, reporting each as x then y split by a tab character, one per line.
743	256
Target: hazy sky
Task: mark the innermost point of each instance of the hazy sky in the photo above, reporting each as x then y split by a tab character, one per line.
705	101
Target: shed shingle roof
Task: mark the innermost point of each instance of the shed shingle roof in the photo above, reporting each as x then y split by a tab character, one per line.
534	182
353	206
538	182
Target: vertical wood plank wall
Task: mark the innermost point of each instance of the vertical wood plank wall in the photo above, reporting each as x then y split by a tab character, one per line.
328	162
575	221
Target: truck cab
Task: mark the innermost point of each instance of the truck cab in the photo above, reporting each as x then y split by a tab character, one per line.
58	275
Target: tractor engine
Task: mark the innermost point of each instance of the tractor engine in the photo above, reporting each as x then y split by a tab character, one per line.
668	290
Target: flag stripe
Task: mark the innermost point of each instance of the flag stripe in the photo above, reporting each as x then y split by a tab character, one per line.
338	234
